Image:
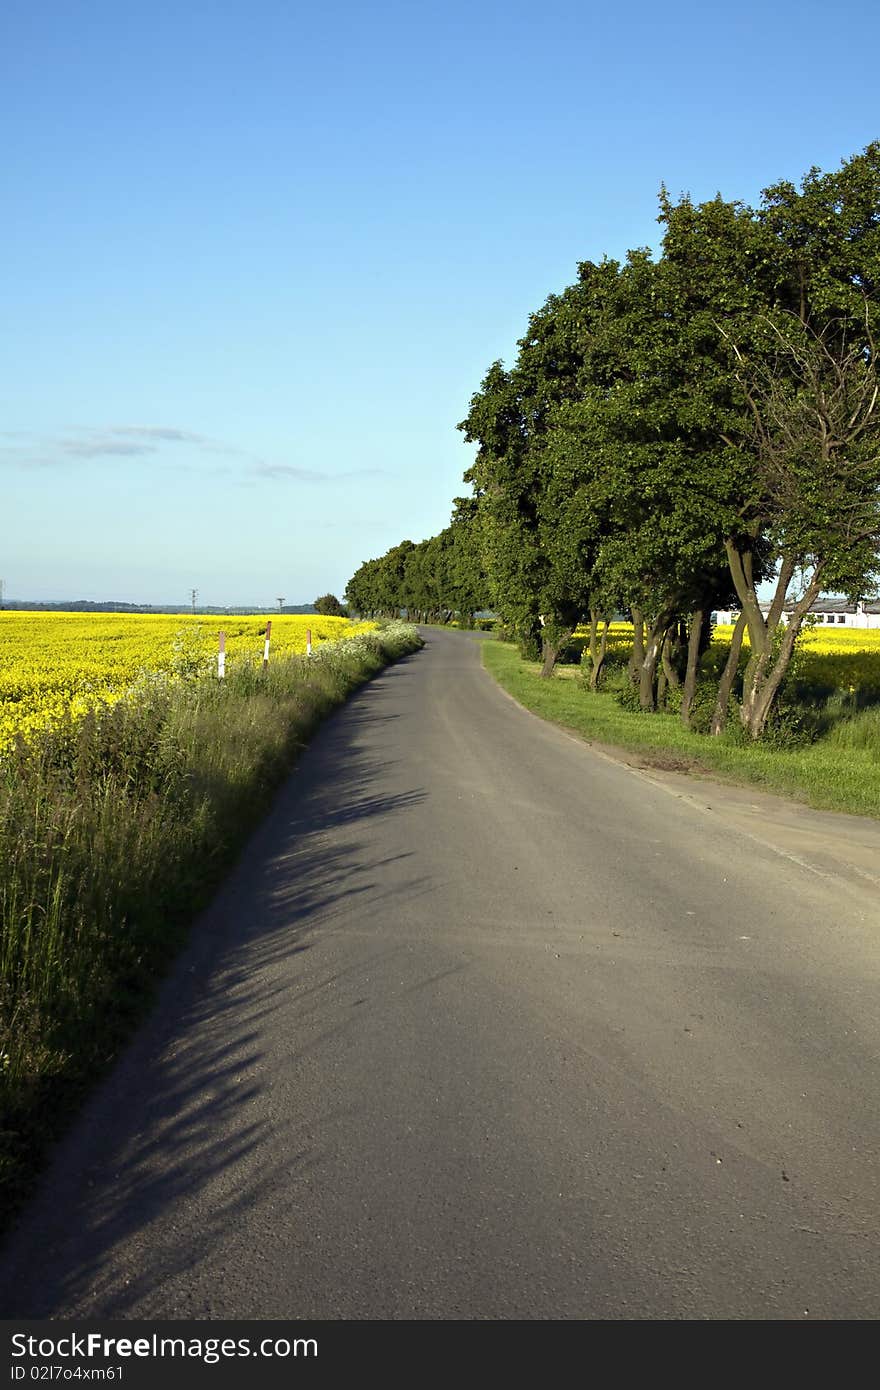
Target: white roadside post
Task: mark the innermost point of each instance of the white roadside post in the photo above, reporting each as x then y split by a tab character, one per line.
308	641
221	657
266	645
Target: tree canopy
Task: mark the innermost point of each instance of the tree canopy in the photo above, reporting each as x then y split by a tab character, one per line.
329	606
673	433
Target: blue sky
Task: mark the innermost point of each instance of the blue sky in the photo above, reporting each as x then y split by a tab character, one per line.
257	257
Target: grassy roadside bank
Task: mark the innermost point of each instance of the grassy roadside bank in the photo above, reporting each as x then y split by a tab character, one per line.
823	774
113	833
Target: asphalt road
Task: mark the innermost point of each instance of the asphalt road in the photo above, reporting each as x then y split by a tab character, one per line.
488	1025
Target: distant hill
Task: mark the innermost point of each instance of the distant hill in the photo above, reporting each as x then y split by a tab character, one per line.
86	606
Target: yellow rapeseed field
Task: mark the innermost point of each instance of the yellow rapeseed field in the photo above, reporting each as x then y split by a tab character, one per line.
59	665
834	658
837	658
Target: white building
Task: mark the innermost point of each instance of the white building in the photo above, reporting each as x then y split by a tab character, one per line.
838	611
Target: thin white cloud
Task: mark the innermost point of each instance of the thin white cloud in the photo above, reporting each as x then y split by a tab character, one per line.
313	475
286	470
140	441
160	434
103	448
111	441
128	441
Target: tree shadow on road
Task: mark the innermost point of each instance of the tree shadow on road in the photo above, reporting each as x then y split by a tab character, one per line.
177	1131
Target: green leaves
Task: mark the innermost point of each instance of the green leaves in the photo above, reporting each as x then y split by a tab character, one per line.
662	416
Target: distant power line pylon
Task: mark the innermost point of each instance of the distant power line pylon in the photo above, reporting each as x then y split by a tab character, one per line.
279	601
195	594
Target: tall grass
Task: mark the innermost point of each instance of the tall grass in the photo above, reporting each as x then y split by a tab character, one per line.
860	730
113	831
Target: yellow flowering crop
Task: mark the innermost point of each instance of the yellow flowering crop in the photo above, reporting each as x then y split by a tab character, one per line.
54	666
839	658
833	657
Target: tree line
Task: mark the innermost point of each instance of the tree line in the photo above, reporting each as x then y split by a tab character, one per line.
675	433
436	580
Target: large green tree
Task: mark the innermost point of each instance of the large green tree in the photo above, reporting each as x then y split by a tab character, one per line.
790	382
537	566
626	482
674	433
329	605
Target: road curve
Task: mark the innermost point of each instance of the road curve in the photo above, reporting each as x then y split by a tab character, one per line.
486	1025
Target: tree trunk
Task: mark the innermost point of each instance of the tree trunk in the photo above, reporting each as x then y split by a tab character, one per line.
725	685
549	653
550	649
637	658
597	648
662	683
695	643
763	696
669	670
764	675
648	671
766	678
761	644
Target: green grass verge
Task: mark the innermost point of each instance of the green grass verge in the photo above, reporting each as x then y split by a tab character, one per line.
113	833
827	774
